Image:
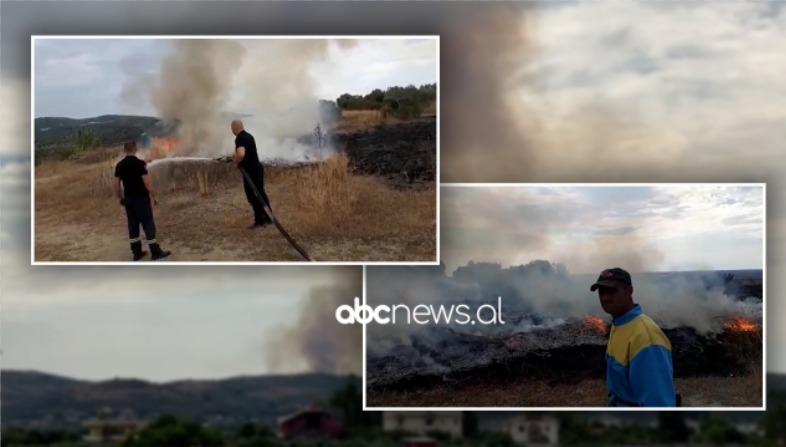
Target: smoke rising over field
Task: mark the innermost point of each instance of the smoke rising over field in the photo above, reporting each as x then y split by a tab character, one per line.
202	84
316	338
541	294
492	48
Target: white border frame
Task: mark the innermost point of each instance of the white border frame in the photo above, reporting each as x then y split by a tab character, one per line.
33	38
604	409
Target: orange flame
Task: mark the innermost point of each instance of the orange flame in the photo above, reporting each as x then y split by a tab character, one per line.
595	323
161	148
740	324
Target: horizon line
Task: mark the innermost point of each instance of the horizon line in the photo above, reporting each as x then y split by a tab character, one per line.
632	272
319	98
172	381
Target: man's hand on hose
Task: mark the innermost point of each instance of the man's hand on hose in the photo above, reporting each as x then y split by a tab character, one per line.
240	153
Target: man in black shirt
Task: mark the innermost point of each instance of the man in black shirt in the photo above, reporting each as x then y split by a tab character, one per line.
137	190
246	157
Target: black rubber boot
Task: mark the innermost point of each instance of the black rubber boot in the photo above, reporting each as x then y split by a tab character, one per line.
136	249
157	252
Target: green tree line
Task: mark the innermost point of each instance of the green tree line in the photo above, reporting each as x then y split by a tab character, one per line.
363	428
400	102
391	97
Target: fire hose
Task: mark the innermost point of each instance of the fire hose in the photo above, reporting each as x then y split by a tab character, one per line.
269	212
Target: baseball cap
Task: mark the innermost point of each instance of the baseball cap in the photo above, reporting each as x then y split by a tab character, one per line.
611	278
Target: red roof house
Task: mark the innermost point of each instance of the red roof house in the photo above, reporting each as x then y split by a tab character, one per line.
310	422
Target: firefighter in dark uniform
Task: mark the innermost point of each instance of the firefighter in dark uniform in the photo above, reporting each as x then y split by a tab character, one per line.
246	157
136	195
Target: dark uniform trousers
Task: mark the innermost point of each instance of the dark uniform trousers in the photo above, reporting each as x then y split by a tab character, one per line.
258	177
140	212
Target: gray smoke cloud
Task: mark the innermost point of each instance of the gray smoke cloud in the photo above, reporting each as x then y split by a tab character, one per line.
510	124
509	229
548	295
281	84
192	87
315	339
205	83
487	223
486	140
406	290
629	251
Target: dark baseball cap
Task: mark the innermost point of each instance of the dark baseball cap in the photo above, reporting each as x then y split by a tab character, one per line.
611	278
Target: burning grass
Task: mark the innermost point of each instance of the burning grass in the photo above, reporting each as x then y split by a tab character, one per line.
203	213
440	364
595	323
740	324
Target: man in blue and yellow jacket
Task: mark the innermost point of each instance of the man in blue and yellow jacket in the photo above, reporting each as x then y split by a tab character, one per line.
639	371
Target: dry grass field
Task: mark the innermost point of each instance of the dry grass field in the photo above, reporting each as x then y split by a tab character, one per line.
203	214
352	120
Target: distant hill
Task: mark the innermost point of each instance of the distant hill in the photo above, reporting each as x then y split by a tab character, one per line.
51	132
32	398
37	399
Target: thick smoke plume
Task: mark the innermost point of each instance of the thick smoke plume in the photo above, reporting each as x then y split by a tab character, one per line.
542	294
315	337
629	251
507	126
190	90
486	140
280	88
203	84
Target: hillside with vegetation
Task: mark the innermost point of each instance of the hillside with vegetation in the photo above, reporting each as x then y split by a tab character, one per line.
364	428
60	136
33	399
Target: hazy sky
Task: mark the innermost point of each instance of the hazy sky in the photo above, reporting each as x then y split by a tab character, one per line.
689	94
176	334
591	228
686	95
162	323
82	78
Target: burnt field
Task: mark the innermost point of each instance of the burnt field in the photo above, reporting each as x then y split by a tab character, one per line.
403	154
562	355
547	342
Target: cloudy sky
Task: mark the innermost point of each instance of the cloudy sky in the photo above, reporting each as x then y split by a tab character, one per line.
608	91
157	325
166	324
81	78
663	228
